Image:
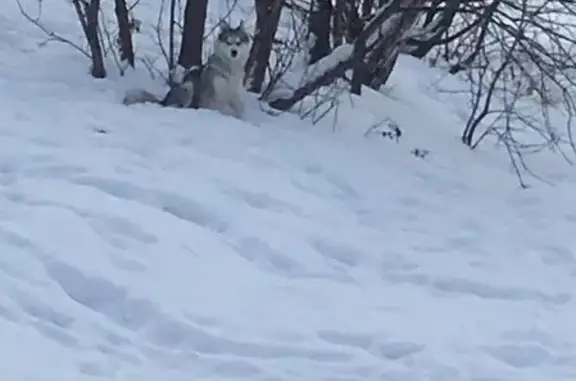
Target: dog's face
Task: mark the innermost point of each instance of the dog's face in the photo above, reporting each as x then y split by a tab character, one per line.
233	43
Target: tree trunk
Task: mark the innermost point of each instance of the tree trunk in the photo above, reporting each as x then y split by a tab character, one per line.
378	64
381	75
338	23
360	70
124	32
193	33
319	26
267	19
171	44
367	8
419	48
88	17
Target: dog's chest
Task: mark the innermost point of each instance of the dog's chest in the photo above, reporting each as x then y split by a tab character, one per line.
231	85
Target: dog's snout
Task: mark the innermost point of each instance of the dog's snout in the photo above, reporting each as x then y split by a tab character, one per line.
234	52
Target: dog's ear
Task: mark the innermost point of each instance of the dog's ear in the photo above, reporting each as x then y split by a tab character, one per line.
241	26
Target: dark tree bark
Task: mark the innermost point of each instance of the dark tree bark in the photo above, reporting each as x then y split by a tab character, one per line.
379	59
171	47
267	19
360	69
380	76
319	26
354	23
338	17
124	32
367	8
87	13
347	23
193	33
382	59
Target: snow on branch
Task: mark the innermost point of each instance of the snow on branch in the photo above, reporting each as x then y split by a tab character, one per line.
345	57
295	84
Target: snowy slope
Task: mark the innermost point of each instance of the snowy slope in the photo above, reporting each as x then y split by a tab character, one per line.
140	243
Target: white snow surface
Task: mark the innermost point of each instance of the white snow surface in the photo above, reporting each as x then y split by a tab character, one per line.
142	243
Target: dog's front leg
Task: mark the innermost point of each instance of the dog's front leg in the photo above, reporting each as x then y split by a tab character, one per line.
238	106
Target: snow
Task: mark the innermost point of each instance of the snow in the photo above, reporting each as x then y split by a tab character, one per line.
143	243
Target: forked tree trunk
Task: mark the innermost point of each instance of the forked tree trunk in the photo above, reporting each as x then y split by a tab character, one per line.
87	13
193	33
267	19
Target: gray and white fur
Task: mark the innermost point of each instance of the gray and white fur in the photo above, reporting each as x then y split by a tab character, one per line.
218	85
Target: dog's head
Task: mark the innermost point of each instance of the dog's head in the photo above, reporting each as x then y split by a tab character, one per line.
233	43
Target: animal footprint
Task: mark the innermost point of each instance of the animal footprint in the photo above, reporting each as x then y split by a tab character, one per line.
399	349
341	253
520	355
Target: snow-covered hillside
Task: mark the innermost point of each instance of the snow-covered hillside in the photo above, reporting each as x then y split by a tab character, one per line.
141	243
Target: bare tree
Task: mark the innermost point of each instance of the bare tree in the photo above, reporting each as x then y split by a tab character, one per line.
346	21
338	22
319	27
99	40
51	36
383	26
193	33
171	44
517	56
124	32
436	24
174	26
267	18
87	12
382	48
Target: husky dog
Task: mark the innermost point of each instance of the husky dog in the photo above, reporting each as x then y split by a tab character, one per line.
218	85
